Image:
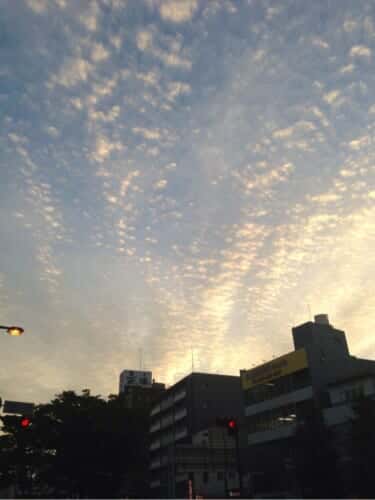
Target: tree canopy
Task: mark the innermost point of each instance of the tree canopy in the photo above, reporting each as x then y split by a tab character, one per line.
77	446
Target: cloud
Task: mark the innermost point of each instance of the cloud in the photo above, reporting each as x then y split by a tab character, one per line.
332	96
175	89
318	42
99	53
73	71
359	143
160	184
108	117
37	6
350	25
283	133
147	41
349	68
360	51
144	40
151	134
89	17
104	147
52	131
177	11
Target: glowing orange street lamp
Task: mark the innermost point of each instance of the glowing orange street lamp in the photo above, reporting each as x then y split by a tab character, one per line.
14	331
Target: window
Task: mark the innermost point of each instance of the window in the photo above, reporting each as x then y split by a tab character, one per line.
220	475
354	393
278	387
205	476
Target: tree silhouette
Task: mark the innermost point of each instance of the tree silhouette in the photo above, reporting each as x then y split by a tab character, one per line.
77	446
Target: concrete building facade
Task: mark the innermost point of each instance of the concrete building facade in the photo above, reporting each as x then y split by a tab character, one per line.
285	392
180	457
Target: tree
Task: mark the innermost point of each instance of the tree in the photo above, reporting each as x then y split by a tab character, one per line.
77	446
362	448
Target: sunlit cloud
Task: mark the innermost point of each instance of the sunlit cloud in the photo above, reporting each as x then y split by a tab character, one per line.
360	51
176	11
74	70
37	6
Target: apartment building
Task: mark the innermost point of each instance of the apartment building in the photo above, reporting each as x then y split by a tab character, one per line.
178	462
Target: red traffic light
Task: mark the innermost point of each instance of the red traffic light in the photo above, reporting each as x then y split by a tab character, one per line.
232	424
25	422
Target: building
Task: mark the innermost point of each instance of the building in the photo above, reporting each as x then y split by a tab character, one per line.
344	394
134	378
180	455
139	389
283	393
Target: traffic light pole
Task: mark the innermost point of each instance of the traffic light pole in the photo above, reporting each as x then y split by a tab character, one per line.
239	466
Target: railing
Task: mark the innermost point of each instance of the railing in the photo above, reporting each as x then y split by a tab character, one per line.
155	445
180	414
155	464
166	421
181	434
155	410
167	403
179	396
155	484
155	427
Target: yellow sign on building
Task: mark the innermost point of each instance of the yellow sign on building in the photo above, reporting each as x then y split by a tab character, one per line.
284	365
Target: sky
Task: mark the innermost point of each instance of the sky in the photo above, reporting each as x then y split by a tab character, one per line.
178	176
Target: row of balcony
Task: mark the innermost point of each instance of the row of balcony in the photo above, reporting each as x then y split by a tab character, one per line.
168	439
168	402
168	420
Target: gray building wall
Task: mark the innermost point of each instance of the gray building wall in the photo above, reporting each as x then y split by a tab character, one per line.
204	398
327	352
333	372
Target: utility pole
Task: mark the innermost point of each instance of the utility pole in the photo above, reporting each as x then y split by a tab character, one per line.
239	465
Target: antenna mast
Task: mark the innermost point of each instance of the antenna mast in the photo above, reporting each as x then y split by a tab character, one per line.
140	358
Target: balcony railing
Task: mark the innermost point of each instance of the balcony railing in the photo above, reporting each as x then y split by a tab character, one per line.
155	410
155	445
179	396
167	403
166	421
180	414
155	464
155	427
180	434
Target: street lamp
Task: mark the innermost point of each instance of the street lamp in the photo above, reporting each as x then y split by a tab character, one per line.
13	331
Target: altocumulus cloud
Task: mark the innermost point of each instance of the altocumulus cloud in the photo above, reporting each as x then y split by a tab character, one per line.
181	174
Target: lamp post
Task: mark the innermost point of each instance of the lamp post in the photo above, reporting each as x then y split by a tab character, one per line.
13	331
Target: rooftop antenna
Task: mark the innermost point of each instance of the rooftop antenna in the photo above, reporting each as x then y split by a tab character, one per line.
140	358
309	311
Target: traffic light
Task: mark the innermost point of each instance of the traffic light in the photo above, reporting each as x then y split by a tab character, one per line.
25	422
232	427
228	423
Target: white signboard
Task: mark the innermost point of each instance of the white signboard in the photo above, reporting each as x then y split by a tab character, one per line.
134	377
